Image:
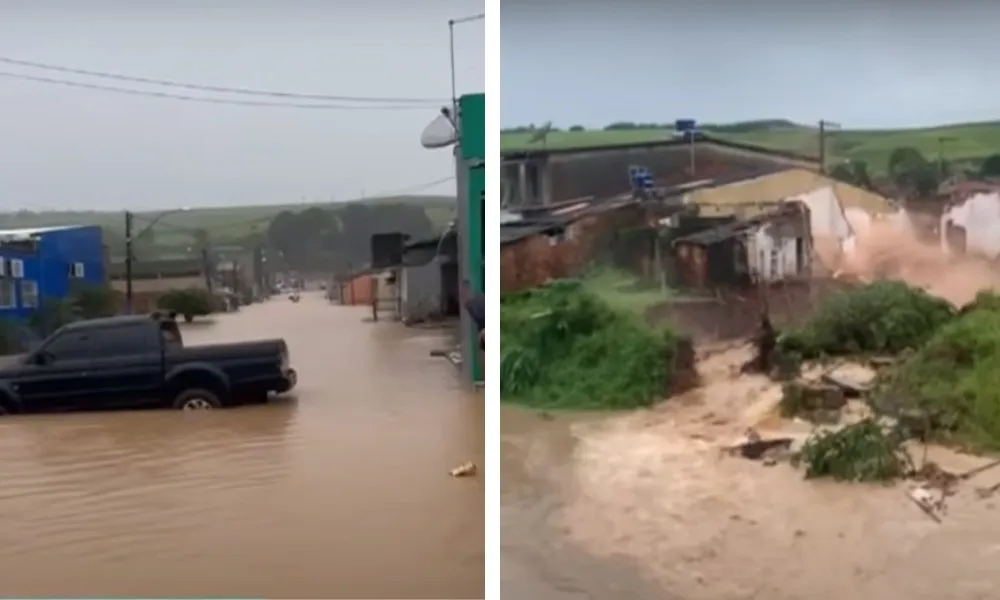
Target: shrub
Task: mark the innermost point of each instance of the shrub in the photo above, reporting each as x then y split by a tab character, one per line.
190	303
562	347
883	317
953	380
861	452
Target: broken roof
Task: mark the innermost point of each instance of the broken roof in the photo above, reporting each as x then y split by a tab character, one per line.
739	227
554	218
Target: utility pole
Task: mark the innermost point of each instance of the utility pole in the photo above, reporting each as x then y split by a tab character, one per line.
128	262
822	147
824	130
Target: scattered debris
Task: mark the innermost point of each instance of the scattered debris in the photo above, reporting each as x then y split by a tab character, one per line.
464	470
757	448
930	500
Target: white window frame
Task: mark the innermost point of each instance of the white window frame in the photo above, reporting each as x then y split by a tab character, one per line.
11	301
78	270
26	283
16	268
3	266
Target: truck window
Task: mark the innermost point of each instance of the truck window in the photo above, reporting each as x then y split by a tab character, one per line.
132	338
171	334
71	345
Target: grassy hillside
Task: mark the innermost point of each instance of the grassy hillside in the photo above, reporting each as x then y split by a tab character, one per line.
964	142
222	223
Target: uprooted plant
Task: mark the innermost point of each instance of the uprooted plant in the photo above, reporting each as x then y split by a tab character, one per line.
866	451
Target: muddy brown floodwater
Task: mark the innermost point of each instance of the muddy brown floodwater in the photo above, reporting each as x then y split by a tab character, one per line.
645	506
342	491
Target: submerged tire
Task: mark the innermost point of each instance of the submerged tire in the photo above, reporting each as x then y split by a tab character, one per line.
197	399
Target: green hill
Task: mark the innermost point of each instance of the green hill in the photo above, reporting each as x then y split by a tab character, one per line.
224	224
960	143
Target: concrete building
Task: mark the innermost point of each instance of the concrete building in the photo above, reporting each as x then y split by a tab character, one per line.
428	279
542	176
45	263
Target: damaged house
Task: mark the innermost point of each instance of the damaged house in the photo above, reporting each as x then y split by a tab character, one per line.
775	245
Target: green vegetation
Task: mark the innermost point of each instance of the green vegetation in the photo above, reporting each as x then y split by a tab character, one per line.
188	303
84	302
235	225
863	452
964	145
886	317
953	379
563	347
623	291
945	387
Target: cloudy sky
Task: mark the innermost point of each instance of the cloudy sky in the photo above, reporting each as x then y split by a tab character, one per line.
862	64
69	148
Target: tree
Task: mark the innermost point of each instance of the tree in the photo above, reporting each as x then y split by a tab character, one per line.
909	170
200	239
990	166
190	303
323	239
577	128
854	172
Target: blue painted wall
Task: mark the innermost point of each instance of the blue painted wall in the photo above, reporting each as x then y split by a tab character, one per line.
50	265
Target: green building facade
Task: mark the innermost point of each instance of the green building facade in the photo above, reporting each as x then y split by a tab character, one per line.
470	156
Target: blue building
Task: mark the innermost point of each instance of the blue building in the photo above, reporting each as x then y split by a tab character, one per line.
44	264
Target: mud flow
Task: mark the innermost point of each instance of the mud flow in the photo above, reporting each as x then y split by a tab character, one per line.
645	505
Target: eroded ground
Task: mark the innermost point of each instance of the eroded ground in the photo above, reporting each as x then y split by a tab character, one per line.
650	498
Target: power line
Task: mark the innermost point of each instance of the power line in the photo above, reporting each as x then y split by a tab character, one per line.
214	88
207	100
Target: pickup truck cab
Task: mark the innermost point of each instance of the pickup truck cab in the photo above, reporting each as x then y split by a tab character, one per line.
138	362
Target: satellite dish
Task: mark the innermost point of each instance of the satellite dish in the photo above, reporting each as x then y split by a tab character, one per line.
439	134
541	134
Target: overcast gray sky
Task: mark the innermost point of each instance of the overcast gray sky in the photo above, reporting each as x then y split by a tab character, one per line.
860	63
66	148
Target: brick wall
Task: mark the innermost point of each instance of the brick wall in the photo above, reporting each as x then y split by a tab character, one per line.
534	260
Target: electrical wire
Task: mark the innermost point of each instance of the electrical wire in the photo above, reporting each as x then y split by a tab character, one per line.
216	88
208	100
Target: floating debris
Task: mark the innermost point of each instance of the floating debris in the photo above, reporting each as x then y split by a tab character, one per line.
463	470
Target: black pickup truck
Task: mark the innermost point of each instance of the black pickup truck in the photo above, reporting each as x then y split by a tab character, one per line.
137	362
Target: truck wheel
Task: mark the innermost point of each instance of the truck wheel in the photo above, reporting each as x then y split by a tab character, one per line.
196	399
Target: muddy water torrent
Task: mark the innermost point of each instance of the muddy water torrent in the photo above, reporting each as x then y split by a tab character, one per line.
645	505
342	491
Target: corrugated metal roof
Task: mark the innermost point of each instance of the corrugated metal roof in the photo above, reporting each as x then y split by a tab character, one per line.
30	232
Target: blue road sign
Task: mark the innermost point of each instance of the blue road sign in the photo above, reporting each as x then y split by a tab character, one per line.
640	178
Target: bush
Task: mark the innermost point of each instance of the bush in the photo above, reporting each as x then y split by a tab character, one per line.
562	347
861	452
953	380
884	317
190	303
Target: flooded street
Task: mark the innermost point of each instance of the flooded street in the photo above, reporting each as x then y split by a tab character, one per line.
645	505
341	491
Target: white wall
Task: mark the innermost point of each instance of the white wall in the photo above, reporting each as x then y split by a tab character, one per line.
761	245
980	216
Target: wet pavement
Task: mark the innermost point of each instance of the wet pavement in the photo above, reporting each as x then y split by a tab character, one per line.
341	490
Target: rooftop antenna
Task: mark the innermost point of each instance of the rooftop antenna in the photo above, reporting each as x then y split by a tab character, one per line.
541	134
